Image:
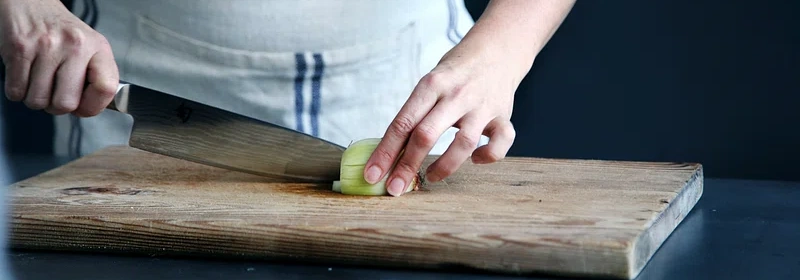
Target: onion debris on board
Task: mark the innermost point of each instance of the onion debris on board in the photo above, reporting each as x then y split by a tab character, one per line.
351	173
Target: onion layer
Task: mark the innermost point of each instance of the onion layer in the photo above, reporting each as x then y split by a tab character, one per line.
351	173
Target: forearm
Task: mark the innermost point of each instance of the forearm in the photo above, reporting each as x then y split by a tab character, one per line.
516	29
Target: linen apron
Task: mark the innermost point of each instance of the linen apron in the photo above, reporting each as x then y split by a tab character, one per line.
336	69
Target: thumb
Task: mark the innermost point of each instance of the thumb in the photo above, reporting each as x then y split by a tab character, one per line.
102	76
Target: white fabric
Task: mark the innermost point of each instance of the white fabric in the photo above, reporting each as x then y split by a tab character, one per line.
245	56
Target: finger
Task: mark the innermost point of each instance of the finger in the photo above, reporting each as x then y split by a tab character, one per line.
40	88
422	99
18	68
17	56
68	86
103	77
422	139
465	142
501	136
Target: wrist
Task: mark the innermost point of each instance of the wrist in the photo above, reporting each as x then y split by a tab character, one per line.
513	32
491	51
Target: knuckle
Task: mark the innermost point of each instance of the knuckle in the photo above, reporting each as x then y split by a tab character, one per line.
103	89
14	94
433	80
402	125
75	41
428	80
102	41
45	42
75	37
465	141
14	91
425	135
507	132
65	105
37	103
458	91
382	155
405	168
16	49
106	91
102	44
18	46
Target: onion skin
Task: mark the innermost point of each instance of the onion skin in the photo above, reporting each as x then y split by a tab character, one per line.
351	173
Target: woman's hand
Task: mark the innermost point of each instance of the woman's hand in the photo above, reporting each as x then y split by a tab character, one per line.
50	55
472	88
469	89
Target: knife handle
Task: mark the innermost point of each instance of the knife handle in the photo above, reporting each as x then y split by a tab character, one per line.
120	101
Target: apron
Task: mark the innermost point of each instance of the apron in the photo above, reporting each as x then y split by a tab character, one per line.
338	70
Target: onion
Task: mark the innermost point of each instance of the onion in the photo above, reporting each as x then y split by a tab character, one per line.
351	173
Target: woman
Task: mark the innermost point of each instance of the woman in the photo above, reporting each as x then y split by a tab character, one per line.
339	70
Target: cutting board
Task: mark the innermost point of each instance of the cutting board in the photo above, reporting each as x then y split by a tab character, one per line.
519	216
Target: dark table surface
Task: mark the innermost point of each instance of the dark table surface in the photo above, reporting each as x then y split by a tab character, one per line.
740	229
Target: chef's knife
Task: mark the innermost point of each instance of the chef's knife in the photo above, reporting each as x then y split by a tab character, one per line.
169	125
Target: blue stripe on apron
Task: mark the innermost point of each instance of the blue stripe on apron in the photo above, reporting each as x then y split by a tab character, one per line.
298	89
316	85
452	30
316	80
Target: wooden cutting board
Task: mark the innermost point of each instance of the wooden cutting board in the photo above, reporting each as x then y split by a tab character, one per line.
521	215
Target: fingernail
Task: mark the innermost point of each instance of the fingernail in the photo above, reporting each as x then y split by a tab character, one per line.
431	177
396	187
478	160
372	174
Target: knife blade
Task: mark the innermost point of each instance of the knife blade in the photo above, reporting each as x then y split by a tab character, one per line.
173	126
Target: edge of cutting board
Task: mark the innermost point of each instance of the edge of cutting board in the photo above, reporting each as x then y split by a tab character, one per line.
660	228
30	231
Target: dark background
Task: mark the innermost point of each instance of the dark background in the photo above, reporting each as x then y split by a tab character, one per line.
715	82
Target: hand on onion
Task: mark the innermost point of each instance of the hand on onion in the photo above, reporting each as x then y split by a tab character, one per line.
470	89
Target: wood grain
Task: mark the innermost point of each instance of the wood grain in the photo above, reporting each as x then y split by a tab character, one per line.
521	215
